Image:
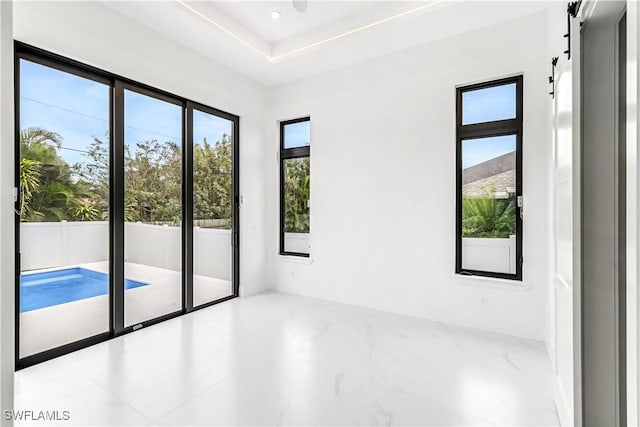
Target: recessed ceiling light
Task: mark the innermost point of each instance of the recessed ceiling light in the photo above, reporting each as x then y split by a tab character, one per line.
275	15
312	45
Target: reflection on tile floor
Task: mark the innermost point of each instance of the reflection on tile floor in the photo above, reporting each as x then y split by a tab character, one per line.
280	359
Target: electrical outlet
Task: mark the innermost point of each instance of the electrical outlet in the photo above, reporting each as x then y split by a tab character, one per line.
484	301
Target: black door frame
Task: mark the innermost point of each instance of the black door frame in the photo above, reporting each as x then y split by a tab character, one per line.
117	86
187	217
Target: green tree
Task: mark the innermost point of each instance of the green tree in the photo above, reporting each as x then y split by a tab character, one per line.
296	195
29	184
212	180
49	191
95	173
488	217
86	212
153	179
153	182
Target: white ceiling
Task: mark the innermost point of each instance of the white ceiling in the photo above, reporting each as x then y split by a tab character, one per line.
329	35
256	16
251	22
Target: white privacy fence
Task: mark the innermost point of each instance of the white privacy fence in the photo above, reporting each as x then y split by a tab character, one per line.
155	245
55	244
296	242
486	254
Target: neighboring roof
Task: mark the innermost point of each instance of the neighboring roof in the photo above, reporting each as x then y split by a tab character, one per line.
500	185
496	176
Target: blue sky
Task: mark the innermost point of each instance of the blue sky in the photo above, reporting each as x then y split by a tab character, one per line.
484	105
147	118
297	134
480	150
78	109
209	127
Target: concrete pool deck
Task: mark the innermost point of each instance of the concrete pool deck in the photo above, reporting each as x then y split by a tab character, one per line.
61	324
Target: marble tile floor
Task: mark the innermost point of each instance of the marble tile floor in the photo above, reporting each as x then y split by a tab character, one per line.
277	359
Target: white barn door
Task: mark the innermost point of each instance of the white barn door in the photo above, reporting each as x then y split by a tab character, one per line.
566	229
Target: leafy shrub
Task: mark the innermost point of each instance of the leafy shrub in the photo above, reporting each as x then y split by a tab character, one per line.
488	217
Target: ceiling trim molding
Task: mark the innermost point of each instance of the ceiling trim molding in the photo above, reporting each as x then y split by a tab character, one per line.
225	30
274	58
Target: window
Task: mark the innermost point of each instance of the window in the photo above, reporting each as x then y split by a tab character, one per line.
127	210
489	179
295	137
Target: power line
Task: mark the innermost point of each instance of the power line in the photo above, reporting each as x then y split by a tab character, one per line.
64	109
173	138
73	149
153	133
60	147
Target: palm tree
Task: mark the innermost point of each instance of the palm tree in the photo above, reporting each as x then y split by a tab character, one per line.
86	211
488	217
34	136
30	167
29	183
48	192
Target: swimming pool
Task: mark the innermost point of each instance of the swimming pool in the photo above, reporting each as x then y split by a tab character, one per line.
39	290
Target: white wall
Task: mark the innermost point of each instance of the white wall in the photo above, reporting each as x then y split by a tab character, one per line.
99	36
7	248
383	159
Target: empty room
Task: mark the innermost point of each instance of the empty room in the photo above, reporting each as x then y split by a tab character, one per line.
319	212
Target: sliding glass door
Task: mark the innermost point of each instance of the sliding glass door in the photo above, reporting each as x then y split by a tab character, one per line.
212	207
63	208
127	207
152	206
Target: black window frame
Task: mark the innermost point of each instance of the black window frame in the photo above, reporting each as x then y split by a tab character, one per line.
286	154
485	130
117	85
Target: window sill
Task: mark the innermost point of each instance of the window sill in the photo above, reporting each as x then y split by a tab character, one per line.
294	259
491	282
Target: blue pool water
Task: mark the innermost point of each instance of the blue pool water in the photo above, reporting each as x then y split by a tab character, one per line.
40	290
